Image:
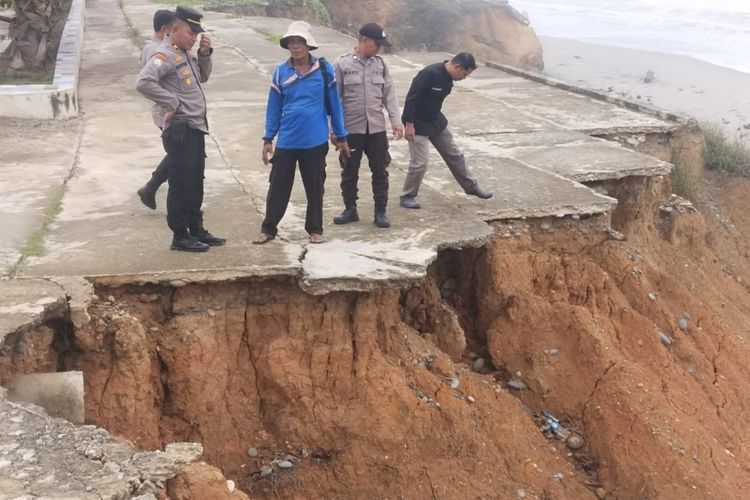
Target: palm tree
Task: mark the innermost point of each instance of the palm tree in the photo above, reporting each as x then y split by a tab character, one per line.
32	31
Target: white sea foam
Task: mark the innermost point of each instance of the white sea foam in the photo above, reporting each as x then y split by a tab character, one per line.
717	31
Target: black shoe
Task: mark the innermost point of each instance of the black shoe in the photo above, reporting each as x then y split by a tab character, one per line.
188	245
147	196
479	192
208	238
348	215
409	202
381	220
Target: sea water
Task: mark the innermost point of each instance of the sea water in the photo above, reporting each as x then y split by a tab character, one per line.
717	31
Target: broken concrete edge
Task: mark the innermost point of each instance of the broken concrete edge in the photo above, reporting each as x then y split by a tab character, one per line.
60	99
412	273
626	103
97	465
28	315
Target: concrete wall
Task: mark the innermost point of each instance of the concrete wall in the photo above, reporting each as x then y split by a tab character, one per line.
60	99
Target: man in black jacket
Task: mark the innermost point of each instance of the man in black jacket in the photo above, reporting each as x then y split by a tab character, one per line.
424	123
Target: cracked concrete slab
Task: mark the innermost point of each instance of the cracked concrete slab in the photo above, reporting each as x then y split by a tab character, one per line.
25	303
566	109
104	232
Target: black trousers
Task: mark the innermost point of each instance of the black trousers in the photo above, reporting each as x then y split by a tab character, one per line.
312	168
375	146
159	176
186	160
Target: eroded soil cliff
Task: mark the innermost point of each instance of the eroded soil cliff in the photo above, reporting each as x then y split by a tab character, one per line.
637	344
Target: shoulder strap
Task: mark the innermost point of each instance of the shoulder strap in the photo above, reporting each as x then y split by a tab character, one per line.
322	64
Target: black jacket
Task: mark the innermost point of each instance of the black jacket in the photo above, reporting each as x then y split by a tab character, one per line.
425	99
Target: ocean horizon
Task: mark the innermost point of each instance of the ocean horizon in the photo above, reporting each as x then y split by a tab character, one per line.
715	31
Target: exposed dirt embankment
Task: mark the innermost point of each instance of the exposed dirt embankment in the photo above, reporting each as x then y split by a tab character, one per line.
636	344
493	31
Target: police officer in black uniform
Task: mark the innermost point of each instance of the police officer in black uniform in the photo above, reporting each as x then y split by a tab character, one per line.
172	79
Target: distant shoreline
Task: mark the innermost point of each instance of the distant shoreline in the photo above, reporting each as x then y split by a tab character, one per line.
681	84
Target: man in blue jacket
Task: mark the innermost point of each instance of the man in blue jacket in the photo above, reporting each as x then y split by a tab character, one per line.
303	94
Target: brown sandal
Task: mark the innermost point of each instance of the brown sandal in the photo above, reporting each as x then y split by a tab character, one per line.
263	238
316	238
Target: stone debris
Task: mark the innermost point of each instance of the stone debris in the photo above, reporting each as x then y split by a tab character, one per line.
32	444
184	453
613	234
574	441
230	486
265	472
683	324
478	364
665	339
517	385
252	452
601	493
455	383
471	399
652	296
285	464
676	204
558	477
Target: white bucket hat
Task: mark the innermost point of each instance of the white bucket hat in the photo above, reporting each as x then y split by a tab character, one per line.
300	29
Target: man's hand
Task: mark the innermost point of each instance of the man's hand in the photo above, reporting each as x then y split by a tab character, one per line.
205	46
398	131
267	152
343	148
409	132
168	115
333	140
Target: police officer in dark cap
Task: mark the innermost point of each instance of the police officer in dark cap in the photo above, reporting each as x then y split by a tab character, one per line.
172	79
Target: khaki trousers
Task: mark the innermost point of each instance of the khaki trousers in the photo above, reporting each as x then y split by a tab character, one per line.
419	151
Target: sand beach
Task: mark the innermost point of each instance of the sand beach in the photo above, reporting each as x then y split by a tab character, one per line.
681	84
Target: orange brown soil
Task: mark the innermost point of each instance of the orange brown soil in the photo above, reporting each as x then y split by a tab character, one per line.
354	388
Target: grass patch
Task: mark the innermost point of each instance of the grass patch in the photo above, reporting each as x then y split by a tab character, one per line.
275	39
132	31
724	154
34	245
686	184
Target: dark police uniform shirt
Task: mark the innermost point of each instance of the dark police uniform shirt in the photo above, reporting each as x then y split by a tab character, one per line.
425	99
172	79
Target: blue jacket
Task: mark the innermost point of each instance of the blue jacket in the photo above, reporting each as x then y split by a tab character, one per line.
296	110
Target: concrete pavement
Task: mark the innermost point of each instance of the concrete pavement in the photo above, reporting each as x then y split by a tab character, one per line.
521	140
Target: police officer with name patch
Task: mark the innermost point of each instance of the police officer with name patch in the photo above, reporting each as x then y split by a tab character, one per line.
366	88
172	79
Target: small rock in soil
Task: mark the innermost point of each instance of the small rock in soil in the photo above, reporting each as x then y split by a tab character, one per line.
652	296
285	464
553	352
574	441
601	493
517	385
110	298
665	339
682	324
455	383
558	476
230	485
471	355
478	364
252	452
470	399
686	315
265	472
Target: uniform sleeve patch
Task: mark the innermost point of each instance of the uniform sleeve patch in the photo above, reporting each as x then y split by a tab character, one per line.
178	58
161	56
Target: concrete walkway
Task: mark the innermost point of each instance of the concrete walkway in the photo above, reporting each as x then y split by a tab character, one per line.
519	137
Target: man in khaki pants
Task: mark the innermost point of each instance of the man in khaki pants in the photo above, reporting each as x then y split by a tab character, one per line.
425	124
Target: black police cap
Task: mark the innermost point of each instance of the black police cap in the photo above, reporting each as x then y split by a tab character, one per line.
374	31
191	16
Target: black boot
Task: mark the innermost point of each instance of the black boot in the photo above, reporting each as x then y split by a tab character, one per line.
148	196
348	215
381	220
188	244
